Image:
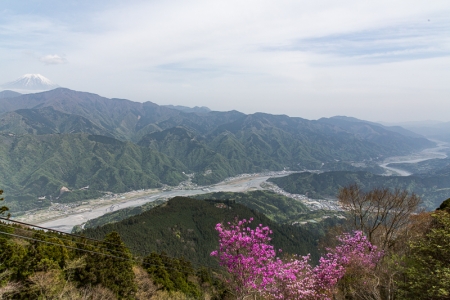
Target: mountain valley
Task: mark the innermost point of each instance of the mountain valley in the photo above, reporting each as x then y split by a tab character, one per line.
63	138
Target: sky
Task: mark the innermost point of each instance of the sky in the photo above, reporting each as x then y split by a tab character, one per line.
374	60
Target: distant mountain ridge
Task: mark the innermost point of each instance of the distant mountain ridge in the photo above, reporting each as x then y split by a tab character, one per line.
358	126
124	119
431	129
9	94
196	109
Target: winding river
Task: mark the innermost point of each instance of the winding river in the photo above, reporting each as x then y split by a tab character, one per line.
426	154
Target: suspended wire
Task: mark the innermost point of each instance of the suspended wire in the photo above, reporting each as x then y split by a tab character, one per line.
62	232
60	238
91	251
62	245
91	239
58	231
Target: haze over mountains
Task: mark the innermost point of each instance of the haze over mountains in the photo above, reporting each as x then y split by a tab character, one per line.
431	129
67	138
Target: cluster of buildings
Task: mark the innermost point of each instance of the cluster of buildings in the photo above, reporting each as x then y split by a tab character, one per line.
313	204
185	185
64	207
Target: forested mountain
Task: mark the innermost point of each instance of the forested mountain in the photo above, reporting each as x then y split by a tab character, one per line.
185	227
34	166
67	138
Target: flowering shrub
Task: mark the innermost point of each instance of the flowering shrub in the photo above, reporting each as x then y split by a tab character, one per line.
247	256
255	269
354	252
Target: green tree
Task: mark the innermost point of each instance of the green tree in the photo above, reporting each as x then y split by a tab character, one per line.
445	205
427	273
113	270
172	274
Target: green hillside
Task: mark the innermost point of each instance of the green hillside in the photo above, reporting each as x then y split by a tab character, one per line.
185	227
33	166
276	207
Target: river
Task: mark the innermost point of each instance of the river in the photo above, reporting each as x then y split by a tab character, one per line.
426	154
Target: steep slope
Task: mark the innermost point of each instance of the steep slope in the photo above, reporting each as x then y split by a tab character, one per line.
183	145
259	142
32	166
295	140
278	135
195	109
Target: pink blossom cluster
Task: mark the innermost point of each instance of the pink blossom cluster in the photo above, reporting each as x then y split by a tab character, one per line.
255	269
354	251
247	255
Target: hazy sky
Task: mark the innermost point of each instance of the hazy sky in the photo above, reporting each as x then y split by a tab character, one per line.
374	60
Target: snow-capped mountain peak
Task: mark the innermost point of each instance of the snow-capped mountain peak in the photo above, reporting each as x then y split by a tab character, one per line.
35	82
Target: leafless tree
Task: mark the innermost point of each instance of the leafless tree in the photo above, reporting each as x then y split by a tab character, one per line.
146	287
382	214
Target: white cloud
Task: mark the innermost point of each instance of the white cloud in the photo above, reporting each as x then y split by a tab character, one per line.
53	59
302	58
